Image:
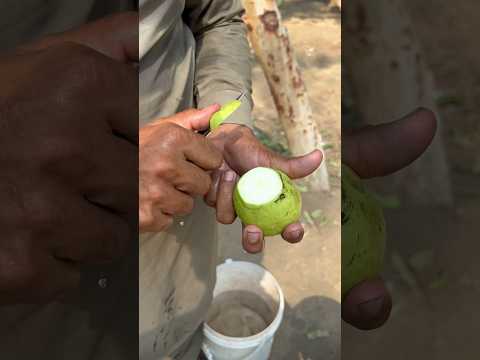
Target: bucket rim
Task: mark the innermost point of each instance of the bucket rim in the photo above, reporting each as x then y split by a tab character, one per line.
249	341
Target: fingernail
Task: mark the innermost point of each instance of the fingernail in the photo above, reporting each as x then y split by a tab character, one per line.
372	309
253	238
295	234
229	176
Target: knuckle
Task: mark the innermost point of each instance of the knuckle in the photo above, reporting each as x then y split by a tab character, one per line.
206	185
175	135
162	223
182	206
146	221
156	194
210	201
82	65
196	185
225	218
165	168
217	158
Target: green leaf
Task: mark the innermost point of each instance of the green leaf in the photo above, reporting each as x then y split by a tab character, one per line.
308	218
446	100
266	140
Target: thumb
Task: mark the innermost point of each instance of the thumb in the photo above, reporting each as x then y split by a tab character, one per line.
194	119
368	305
300	166
384	149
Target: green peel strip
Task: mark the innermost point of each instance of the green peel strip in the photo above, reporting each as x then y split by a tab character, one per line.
224	113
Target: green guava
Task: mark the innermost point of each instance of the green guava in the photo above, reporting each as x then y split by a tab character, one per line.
363	232
268	199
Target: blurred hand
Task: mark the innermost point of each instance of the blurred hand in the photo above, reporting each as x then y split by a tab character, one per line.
242	151
372	152
175	163
114	36
68	150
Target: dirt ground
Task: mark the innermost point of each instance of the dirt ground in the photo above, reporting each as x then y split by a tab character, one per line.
309	272
432	261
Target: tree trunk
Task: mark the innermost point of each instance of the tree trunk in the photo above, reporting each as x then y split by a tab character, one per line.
270	41
337	3
389	77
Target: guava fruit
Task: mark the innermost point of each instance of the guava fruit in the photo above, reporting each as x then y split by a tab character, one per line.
363	232
268	199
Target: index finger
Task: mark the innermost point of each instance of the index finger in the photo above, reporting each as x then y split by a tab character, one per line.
108	87
202	152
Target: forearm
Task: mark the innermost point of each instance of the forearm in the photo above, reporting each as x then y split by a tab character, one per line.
223	65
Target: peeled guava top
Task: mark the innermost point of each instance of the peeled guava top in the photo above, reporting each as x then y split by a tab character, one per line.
260	186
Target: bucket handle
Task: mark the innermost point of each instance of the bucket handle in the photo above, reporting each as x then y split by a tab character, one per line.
207	352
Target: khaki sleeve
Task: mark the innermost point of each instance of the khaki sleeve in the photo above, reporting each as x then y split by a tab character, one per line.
223	61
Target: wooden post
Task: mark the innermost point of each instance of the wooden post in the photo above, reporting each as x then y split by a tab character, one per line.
389	77
271	43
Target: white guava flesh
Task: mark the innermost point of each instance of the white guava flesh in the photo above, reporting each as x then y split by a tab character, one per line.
268	199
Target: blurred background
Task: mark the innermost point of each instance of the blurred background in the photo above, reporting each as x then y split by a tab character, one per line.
309	272
398	55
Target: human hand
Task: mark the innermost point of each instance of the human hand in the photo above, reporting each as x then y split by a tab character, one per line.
242	151
115	36
175	162
69	159
372	152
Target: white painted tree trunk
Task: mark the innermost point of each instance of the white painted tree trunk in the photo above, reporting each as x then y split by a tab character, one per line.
270	41
386	67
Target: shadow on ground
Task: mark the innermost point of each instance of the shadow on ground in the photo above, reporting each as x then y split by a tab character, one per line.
304	326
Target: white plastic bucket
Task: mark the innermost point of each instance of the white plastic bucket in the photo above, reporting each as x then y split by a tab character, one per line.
248	278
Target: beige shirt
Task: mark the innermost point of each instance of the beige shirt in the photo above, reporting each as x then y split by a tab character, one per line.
192	52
